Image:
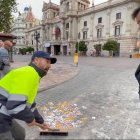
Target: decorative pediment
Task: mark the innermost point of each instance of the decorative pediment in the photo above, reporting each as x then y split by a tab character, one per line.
117	23
99	26
85	29
86	1
47	6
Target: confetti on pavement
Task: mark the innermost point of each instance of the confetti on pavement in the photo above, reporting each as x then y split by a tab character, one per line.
63	115
93	118
84	107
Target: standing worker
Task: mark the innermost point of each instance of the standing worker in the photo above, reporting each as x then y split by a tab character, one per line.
76	57
4	58
1	43
18	90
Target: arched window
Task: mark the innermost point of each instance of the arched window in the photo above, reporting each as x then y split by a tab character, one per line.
68	6
57	32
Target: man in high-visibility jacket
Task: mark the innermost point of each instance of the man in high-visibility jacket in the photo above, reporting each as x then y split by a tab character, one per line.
18	90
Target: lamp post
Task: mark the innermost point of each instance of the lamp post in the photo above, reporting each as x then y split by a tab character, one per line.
11	50
79	35
36	36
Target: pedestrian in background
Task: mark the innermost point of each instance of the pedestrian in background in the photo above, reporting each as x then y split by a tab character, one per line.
136	17
1	43
76	58
4	58
18	90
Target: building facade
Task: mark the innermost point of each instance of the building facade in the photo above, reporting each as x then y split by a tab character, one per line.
73	21
22	27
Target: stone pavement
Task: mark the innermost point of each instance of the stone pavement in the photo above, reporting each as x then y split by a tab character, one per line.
58	73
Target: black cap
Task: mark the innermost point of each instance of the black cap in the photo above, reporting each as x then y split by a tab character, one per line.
42	54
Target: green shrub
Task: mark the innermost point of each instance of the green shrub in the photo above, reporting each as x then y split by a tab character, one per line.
22	50
81	47
110	45
30	49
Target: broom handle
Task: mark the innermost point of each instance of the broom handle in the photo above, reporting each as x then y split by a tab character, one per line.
41	126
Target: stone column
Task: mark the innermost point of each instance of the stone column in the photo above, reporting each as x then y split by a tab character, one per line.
63	30
108	23
70	28
74	29
52	49
61	49
92	27
50	33
68	50
43	30
128	19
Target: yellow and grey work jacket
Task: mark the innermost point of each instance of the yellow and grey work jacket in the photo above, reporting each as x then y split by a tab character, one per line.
18	90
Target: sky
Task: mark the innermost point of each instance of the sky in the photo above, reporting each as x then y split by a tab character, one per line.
37	5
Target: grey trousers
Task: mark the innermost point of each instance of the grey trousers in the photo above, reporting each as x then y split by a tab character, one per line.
5	70
17	132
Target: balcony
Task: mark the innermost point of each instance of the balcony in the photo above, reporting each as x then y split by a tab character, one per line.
62	15
72	13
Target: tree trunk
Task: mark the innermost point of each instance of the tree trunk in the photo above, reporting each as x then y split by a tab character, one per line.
111	53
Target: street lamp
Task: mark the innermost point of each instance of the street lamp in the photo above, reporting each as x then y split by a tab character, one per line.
79	35
37	36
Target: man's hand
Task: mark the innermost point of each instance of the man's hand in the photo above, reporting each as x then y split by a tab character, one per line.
32	123
44	126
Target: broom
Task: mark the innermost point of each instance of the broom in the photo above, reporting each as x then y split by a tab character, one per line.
50	131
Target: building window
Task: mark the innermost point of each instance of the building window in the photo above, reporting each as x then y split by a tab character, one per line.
45	16
31	25
54	14
100	20
67	26
57	32
84	7
79	6
68	6
118	16
67	35
85	35
117	30
85	23
99	33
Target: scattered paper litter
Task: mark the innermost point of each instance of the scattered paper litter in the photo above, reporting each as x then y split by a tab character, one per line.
93	118
84	107
63	115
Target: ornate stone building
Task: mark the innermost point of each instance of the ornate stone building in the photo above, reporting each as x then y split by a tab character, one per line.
24	27
73	20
